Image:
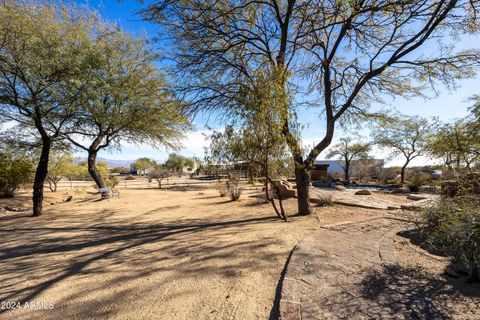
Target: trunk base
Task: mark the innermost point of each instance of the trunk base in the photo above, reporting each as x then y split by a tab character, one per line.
302	177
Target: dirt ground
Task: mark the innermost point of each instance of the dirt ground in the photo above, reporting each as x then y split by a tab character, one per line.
183	253
448	290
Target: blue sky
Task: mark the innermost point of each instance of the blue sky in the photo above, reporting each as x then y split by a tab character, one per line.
446	106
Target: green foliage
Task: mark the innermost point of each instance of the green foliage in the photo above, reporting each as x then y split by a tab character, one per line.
347	151
159	172
143	164
458	143
127	98
257	143
46	49
452	226
80	171
403	136
14	171
120	170
60	165
112	181
178	162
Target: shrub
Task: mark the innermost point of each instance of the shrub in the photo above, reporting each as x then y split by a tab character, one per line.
233	188
325	200
112	181
13	173
159	173
221	187
453	226
129	177
417	180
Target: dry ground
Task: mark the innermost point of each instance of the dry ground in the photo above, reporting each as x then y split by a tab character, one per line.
182	253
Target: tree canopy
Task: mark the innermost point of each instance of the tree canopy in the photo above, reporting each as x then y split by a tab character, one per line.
126	100
45	50
346	151
406	136
338	56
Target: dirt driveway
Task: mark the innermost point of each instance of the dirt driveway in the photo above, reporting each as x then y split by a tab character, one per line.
152	254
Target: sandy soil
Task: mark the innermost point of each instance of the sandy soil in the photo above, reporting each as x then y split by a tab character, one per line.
183	253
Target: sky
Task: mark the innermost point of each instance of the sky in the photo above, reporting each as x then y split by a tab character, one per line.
446	106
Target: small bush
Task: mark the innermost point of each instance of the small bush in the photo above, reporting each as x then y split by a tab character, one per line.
112	181
325	200
221	187
452	226
130	177
233	188
417	180
13	173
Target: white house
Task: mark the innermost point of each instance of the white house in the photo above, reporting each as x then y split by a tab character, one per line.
336	166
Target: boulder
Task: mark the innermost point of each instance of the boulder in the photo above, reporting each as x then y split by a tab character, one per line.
68	199
340	187
363	193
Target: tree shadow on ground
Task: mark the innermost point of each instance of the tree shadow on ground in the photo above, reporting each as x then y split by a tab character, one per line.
453	271
412	293
94	248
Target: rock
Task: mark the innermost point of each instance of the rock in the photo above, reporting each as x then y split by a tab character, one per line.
11	208
68	199
340	187
363	193
416	198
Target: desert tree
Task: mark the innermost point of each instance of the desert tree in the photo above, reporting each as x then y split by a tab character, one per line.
456	144
15	170
159	173
340	55
143	164
258	141
405	136
127	100
60	165
177	162
347	150
44	50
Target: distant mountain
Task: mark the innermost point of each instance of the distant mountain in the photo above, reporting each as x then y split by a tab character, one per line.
110	162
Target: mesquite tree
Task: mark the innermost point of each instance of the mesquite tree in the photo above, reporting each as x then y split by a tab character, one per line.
342	54
259	142
126	101
456	144
44	49
346	151
404	136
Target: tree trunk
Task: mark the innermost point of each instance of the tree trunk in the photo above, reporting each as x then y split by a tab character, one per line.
250	175
302	178
40	176
347	173
92	169
402	173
